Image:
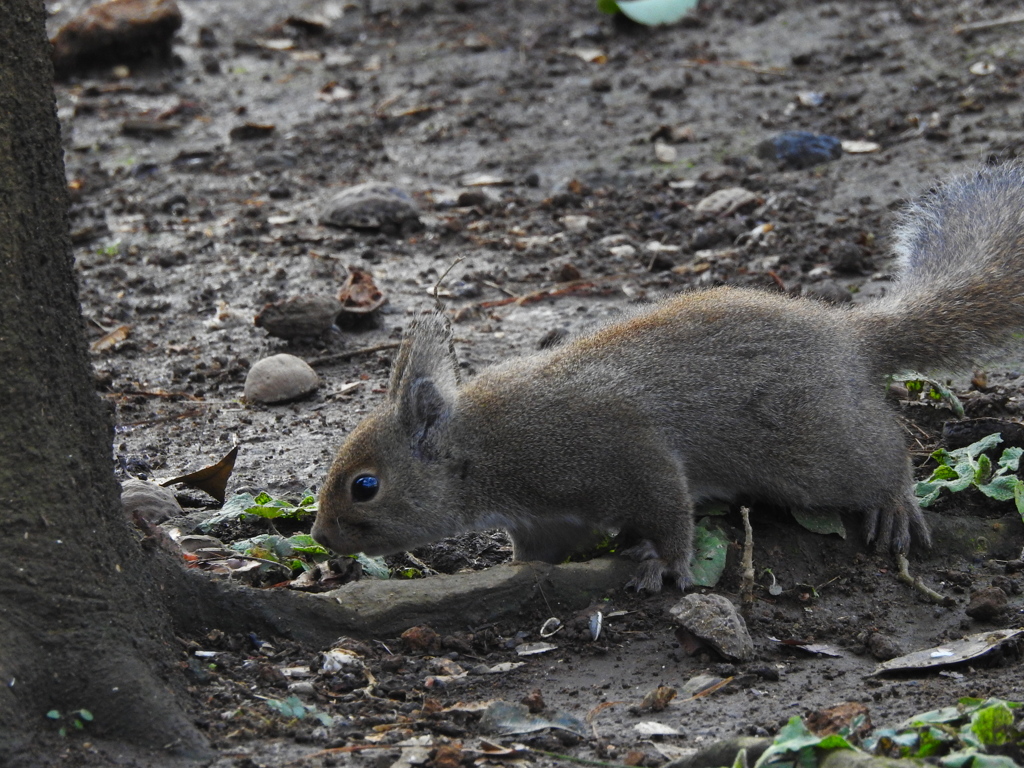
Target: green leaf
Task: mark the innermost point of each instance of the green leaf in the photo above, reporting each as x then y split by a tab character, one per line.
993	725
1001	488
1018	498
231	510
1010	460
53	714
984	470
263	498
290	707
85	714
374	567
324	718
960	759
945	472
709	550
820	521
944	715
303	542
975	759
931	742
608	6
974	449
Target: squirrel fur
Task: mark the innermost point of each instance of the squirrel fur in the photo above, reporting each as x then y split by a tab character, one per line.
713	394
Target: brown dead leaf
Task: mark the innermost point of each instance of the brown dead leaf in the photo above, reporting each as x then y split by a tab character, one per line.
658	699
359	294
107	340
212	479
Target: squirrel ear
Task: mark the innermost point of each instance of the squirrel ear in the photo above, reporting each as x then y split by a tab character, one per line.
426	353
424	383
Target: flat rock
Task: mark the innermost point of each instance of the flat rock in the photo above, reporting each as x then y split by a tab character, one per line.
279	379
151	501
115	32
714	621
372	205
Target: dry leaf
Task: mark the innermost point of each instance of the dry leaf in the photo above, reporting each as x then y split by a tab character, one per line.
212	479
107	340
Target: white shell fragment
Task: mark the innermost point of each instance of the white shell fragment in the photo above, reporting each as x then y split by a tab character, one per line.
654	728
531	649
550	627
855	147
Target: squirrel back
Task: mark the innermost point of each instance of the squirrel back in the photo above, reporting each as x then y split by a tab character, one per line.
959	293
724	393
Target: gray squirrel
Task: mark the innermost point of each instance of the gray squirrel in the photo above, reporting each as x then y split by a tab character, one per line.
712	394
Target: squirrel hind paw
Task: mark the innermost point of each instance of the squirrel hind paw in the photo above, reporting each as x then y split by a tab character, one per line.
650	576
894	528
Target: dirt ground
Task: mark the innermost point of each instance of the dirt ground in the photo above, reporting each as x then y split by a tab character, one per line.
543	143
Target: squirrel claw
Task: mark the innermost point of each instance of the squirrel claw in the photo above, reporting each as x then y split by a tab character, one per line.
650	576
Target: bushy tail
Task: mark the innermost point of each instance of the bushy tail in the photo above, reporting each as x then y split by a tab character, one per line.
959	295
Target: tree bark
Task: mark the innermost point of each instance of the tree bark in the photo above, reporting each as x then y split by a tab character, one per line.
82	616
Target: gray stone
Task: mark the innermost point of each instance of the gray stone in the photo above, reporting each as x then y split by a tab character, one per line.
280	379
372	206
151	501
713	620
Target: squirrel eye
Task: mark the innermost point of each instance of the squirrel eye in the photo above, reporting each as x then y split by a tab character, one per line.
365	487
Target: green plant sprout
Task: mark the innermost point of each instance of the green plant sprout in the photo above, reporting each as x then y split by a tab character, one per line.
923	388
292	707
965	467
77	718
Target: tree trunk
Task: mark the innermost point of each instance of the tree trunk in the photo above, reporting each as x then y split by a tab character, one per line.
82	616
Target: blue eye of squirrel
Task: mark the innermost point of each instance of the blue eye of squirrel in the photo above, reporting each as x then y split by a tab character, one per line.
365	487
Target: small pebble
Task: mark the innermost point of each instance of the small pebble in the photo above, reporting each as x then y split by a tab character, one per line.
372	206
801	149
986	604
279	379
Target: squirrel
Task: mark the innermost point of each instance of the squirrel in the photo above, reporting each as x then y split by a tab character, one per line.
713	394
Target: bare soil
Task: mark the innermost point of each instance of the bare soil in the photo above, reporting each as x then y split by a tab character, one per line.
186	224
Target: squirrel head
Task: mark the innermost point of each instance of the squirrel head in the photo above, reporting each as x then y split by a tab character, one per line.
389	487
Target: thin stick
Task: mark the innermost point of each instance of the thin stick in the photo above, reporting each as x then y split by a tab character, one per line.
437	285
747	576
906	578
974	25
341	356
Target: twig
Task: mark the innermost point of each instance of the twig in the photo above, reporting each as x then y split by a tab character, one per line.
563	289
736	64
906	578
501	288
154	393
437	285
747	575
975	25
338	357
708	691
